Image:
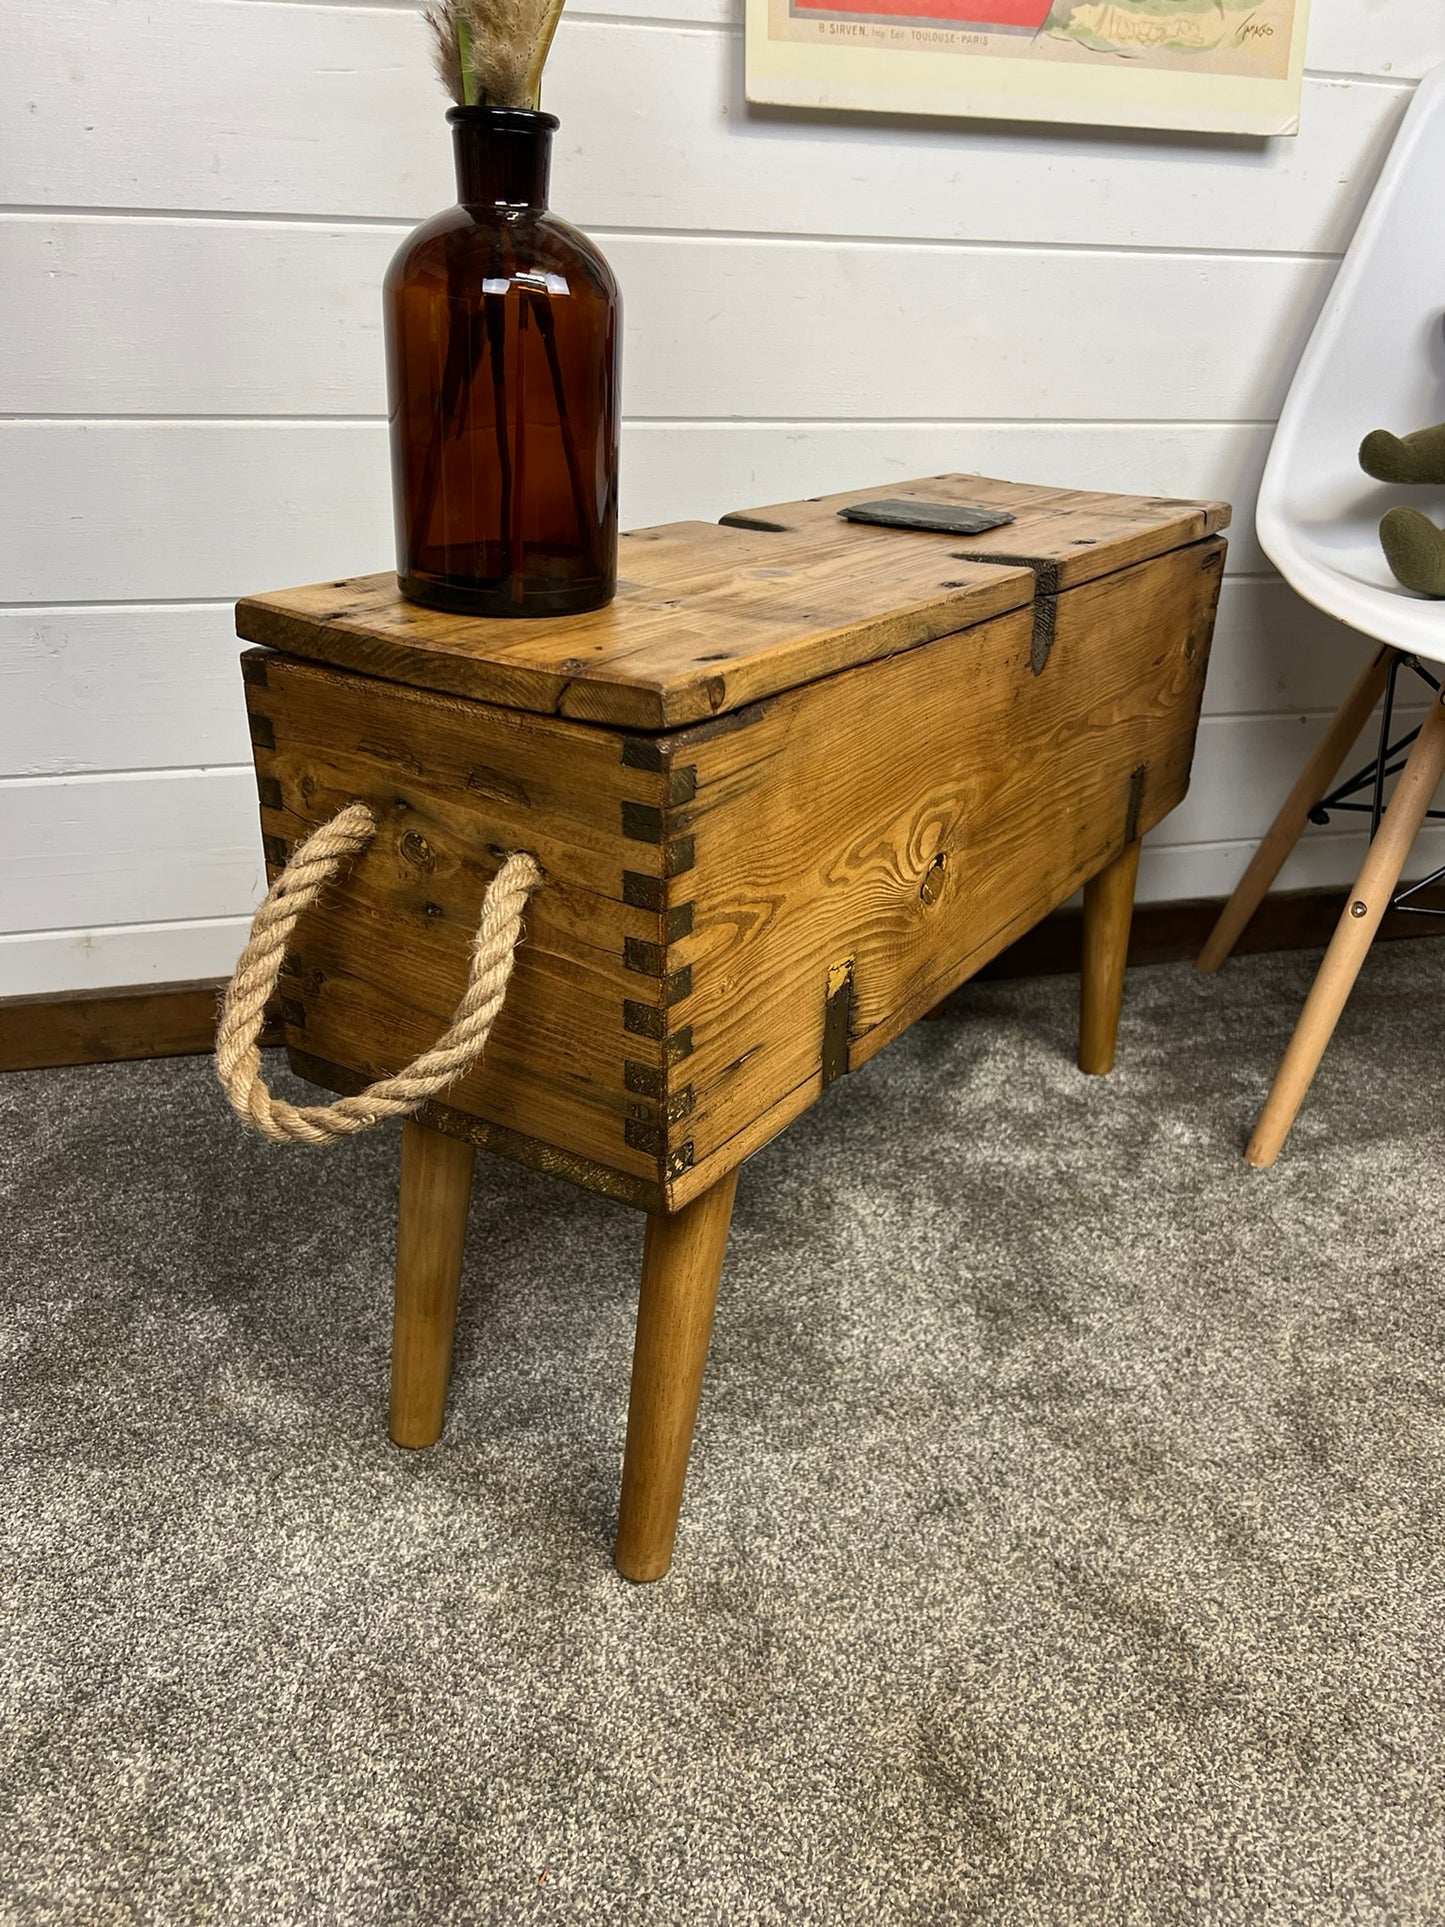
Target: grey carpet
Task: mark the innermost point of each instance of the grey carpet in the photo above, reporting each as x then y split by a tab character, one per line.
1062	1543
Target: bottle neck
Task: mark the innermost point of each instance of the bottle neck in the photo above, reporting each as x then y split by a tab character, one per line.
503	156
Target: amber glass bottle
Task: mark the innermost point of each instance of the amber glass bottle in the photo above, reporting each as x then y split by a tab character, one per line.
503	338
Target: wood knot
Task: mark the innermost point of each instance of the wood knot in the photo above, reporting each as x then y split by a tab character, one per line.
931	889
417	851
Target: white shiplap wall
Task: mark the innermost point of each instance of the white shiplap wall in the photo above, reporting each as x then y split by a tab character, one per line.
200	197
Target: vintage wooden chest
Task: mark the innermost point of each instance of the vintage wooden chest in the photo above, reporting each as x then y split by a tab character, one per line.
801	779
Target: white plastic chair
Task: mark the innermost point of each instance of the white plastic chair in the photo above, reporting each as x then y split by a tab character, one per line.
1375	360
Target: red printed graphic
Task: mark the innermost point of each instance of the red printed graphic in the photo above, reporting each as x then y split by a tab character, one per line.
983	14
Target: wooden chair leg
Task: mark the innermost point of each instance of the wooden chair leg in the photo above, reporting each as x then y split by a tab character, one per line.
1108	913
436	1187
1353	934
681	1265
1313	782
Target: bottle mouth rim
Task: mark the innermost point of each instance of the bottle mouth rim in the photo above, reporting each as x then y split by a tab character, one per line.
521	120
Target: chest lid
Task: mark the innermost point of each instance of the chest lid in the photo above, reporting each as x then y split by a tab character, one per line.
1067	536
711	617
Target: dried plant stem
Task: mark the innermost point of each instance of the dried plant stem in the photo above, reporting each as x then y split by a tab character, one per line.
466	62
496	309
517	555
547	328
540	50
490	53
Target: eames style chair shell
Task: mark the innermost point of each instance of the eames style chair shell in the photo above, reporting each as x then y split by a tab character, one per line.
1376	359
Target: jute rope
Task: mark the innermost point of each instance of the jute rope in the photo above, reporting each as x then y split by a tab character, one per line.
312	866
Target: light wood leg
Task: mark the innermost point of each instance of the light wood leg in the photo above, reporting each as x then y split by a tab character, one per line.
436	1187
1313	783
1353	934
681	1266
1108	913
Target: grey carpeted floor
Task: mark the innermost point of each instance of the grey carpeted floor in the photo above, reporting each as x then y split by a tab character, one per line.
1062	1543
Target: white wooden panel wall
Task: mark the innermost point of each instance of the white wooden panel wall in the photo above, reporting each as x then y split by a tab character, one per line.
200	196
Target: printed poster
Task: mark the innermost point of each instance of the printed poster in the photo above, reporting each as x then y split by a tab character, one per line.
1218	66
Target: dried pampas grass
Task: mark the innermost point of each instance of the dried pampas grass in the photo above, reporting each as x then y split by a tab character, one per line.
490	53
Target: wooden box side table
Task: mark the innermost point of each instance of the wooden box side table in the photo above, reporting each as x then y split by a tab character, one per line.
799	781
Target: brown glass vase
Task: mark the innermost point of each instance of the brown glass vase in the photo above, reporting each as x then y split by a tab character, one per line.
503	341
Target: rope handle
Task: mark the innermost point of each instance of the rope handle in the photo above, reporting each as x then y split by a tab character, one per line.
312	866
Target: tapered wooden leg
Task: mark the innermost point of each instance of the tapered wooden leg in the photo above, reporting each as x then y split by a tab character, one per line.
436	1187
681	1266
1108	913
1353	934
1313	782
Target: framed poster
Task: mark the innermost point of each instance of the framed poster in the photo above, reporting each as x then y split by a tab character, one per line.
1218	66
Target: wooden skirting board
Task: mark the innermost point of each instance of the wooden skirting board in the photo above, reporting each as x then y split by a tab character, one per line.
179	1020
1176	932
108	1026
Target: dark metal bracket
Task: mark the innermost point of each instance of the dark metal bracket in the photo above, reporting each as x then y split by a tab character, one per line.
837	1020
1046	596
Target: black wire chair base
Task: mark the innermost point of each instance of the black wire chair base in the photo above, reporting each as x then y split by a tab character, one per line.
1389	760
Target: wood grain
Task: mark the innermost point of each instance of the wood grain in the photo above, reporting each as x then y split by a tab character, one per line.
50	1029
1355	932
682	1264
734	907
1067	536
161	679
376	969
1015	790
112	1026
1310	786
706	620
1108	912
431	1232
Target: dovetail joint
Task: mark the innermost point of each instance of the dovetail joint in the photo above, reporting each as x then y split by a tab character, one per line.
679	1045
648	959
643	892
647	1080
644	1020
678	855
642	822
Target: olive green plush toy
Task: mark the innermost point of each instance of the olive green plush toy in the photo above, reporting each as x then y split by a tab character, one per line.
1414	547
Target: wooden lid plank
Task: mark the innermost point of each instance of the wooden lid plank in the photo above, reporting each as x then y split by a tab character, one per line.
1078	533
711	617
706	619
